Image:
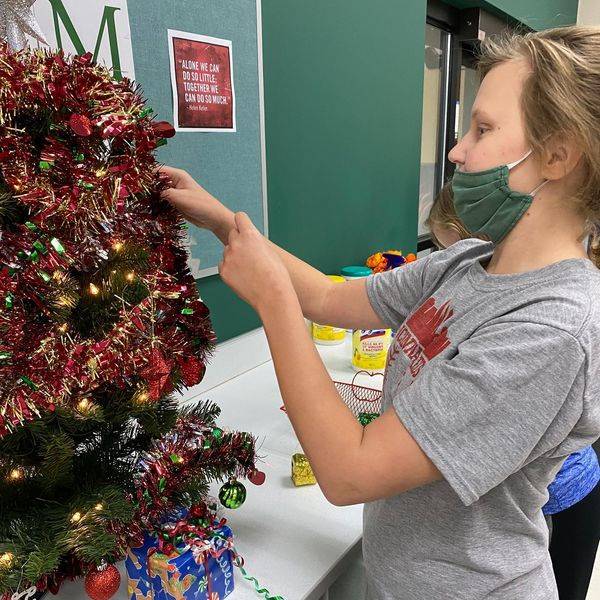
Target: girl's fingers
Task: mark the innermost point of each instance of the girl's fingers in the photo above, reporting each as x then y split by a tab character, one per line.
243	222
178	177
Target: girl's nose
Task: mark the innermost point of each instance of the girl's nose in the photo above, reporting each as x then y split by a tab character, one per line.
457	154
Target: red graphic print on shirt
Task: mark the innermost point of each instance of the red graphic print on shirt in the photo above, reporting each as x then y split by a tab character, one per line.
422	336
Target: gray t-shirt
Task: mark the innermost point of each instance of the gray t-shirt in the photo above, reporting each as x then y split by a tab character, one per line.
496	378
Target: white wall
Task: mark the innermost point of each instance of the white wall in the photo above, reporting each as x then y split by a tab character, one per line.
589	12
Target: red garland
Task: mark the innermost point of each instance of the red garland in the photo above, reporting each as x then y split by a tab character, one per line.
81	202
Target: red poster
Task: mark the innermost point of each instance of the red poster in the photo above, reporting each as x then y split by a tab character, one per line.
201	73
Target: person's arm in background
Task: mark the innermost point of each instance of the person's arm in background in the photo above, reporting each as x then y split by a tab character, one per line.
343	305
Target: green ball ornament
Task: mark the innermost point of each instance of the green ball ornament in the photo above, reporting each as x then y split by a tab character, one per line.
232	494
366	417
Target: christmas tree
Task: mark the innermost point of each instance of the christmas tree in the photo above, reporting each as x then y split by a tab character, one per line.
100	326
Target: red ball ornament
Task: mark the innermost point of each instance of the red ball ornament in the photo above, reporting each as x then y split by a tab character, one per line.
192	370
103	584
257	477
163	129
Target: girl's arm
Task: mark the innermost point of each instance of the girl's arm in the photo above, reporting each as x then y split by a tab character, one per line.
352	464
343	305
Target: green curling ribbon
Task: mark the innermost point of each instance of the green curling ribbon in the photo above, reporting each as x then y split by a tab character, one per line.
259	589
161	142
57	245
175	458
162	484
34	256
5	355
187	311
31	225
29	383
10	300
80	157
22	254
44	276
144	113
217	434
45	165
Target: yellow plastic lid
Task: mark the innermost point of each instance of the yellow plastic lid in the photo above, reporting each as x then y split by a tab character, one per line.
337	278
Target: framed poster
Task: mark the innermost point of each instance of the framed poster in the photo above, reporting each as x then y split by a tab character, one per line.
202	82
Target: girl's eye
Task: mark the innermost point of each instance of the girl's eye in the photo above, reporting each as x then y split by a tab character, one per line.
482	130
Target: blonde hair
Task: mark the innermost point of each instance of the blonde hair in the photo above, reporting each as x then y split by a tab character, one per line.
561	96
443	215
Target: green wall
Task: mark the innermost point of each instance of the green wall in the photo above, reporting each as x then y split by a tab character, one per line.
343	90
343	98
537	14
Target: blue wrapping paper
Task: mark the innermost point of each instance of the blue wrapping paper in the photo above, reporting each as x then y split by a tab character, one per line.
179	576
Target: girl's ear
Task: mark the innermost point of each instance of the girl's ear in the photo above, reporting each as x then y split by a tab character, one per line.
560	157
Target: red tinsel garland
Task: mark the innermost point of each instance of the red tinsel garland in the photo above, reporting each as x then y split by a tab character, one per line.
92	187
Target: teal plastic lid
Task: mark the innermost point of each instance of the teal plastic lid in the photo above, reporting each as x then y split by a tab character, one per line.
356	271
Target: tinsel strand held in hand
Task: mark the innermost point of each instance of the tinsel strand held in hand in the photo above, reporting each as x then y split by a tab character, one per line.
100	321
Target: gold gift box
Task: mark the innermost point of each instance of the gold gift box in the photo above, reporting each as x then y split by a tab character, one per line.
302	473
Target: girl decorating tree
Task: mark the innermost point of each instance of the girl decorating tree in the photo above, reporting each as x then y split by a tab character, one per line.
573	508
493	377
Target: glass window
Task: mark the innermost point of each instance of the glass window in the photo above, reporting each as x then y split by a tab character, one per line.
469	84
433	137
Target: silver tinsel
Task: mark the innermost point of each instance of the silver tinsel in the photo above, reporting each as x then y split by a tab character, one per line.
17	21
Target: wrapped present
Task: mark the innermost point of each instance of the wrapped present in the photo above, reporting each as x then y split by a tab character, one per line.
200	571
302	473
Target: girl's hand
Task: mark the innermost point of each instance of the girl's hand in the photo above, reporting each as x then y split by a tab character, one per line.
252	269
196	204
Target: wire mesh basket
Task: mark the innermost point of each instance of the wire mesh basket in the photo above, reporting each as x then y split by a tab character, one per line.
361	400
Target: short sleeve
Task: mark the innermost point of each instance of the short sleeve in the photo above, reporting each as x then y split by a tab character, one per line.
480	414
393	294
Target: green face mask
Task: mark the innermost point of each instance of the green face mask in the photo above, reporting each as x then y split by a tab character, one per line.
485	203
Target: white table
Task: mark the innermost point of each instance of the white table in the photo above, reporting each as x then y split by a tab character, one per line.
293	541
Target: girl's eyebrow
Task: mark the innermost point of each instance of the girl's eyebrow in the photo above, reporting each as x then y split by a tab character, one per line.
480	115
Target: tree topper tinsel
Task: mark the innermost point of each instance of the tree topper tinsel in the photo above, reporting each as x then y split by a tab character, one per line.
17	21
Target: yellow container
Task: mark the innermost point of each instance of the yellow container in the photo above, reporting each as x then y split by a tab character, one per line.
370	348
328	335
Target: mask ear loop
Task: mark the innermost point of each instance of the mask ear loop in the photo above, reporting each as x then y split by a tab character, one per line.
538	188
518	162
512	165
